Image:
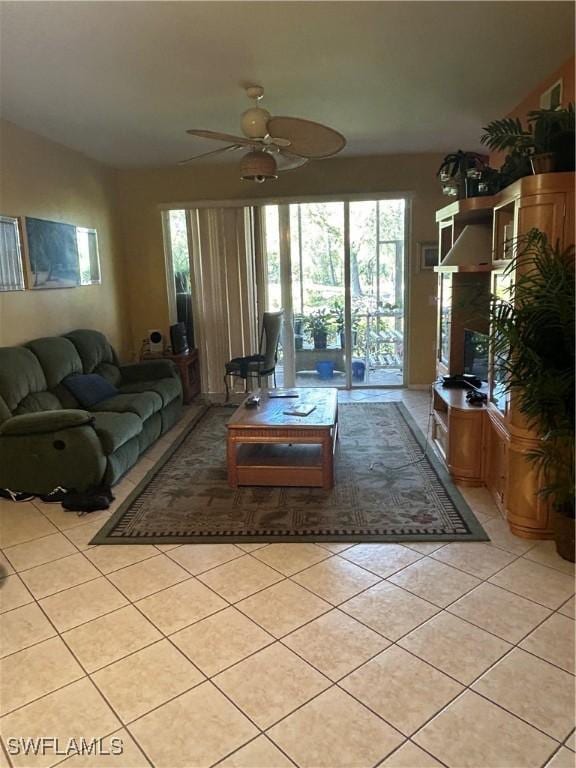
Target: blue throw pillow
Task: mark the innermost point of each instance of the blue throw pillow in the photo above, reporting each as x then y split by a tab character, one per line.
89	388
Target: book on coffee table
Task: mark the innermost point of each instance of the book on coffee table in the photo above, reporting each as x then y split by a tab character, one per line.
282	393
299	410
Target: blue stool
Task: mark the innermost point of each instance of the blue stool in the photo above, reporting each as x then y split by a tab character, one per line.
325	369
358	371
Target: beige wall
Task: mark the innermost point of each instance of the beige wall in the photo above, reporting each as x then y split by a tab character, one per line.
46	180
141	192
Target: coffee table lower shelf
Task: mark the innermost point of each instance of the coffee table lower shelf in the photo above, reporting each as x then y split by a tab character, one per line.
281	465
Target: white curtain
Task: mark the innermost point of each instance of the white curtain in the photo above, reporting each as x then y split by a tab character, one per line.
224	286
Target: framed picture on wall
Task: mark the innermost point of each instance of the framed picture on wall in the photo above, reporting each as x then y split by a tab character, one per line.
428	255
52	248
11	268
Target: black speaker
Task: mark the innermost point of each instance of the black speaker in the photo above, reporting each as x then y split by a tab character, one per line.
178	339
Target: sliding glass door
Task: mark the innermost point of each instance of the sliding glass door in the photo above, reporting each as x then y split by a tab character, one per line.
337	270
377	292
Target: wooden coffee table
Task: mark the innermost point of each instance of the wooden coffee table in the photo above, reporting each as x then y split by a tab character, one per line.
268	447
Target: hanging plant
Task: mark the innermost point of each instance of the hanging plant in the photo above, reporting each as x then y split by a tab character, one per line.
456	168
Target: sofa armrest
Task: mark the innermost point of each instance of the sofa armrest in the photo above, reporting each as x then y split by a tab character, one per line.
45	421
148	370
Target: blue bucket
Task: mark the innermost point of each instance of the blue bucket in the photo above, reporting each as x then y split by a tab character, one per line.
358	371
325	369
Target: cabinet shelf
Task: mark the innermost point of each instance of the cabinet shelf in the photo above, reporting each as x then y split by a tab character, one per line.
469	211
491	445
465	268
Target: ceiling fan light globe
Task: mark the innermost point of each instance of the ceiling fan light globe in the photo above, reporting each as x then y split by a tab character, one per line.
254	122
258	167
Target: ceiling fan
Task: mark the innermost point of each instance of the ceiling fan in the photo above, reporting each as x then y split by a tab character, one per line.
274	144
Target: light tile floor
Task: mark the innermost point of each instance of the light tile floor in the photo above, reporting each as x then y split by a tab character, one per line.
269	656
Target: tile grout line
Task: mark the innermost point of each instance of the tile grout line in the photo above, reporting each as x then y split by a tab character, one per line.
465	687
333	607
168	638
85	676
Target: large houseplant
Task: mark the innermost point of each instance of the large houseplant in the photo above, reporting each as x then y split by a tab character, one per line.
546	141
532	333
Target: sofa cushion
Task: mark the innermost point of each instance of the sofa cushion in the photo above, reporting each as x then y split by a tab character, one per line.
58	358
90	388
168	389
22	380
143	404
38	401
115	429
96	354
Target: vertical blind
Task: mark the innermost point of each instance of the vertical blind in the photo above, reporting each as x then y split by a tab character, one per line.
223	272
11	275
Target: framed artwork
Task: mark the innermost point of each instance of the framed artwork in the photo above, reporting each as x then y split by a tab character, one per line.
11	268
88	256
52	248
428	255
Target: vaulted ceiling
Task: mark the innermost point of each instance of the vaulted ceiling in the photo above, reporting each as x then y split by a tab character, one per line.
122	81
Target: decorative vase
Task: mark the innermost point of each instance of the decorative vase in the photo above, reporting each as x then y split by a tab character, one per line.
543	163
320	340
564	528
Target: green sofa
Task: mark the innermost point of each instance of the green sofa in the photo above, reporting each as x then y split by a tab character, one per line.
48	440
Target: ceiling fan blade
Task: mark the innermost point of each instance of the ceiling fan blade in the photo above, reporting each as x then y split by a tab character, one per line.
207	154
240	140
307	138
286	161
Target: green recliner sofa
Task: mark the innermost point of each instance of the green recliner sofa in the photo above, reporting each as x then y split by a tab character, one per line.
47	439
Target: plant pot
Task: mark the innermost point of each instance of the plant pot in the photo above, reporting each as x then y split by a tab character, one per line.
544	163
320	340
564	527
472	185
298	341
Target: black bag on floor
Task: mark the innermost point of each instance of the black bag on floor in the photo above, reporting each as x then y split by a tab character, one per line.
91	500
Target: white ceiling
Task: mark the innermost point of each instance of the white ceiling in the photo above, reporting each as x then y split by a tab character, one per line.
121	81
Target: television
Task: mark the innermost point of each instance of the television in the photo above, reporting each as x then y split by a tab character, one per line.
476	354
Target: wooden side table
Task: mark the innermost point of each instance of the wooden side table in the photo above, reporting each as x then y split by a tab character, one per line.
189	368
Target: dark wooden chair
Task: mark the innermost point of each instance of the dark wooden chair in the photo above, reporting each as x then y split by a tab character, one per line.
263	364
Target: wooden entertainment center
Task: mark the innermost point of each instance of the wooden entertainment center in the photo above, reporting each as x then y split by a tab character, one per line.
488	444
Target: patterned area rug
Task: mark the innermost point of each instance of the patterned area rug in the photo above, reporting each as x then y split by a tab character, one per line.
382	493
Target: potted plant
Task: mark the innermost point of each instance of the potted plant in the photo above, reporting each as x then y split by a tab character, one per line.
317	324
339	321
460	173
546	142
532	333
553	139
